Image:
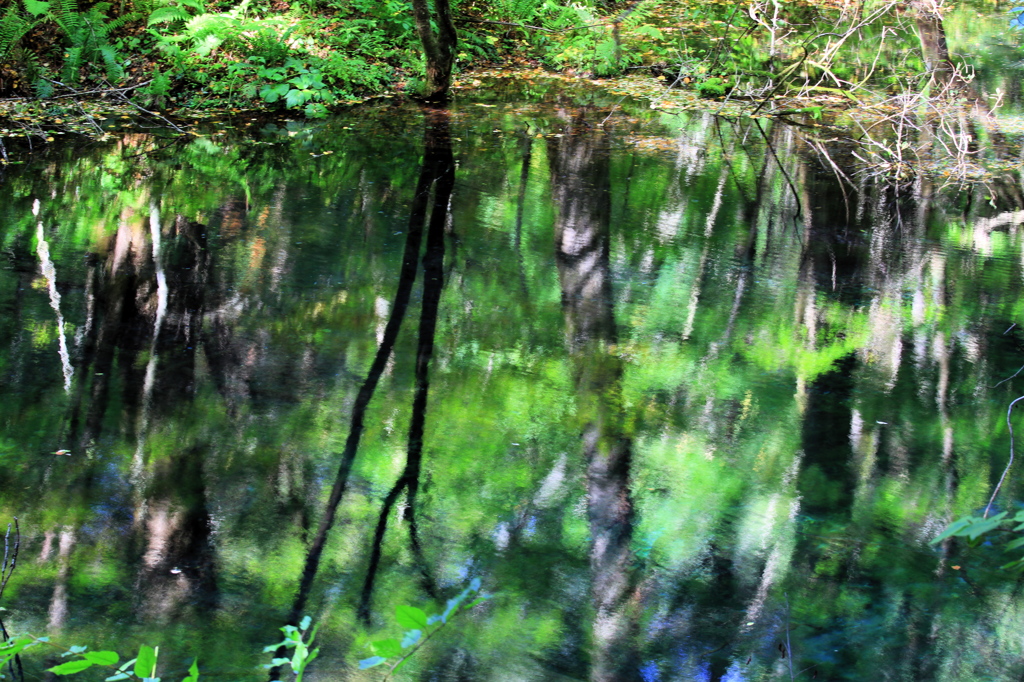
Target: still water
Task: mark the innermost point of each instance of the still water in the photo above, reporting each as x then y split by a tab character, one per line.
689	398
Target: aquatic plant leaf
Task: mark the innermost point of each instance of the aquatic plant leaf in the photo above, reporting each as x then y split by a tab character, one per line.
71	667
387	648
371	662
145	662
410	617
193	671
411	637
984	526
953	529
102	657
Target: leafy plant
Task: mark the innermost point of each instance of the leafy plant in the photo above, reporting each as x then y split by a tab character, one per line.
712	87
419	628
142	667
1017	21
516	10
294	638
305	90
87	34
176	12
13	27
977	528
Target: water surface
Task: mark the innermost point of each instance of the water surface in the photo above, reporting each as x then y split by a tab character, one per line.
683	396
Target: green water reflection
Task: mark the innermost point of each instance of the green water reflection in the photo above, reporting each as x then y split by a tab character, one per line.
674	390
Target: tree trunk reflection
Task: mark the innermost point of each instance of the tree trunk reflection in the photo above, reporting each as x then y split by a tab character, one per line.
580	178
439	167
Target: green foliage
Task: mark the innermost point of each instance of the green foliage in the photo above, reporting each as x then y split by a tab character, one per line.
14	24
605	44
295	639
15	645
176	12
88	47
517	10
88	37
712	87
419	628
978	529
144	666
240	55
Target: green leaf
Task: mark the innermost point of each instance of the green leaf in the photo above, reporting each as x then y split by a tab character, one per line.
296	98
102	657
166	15
984	526
387	648
1019	542
193	671
15	646
410	617
371	662
650	32
145	663
122	671
272	93
954	529
36	8
71	667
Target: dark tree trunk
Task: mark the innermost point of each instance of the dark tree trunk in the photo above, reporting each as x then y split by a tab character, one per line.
439	49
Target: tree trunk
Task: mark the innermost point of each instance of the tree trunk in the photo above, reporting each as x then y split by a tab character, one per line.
438	50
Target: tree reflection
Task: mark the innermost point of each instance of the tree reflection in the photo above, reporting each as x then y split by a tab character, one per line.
581	189
789	388
437	175
439	167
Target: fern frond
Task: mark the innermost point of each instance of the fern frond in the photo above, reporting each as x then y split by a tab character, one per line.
113	67
12	28
66	15
36	8
72	63
167	15
42	87
640	14
119	22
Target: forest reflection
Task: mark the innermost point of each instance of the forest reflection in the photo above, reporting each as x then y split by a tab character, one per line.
682	391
